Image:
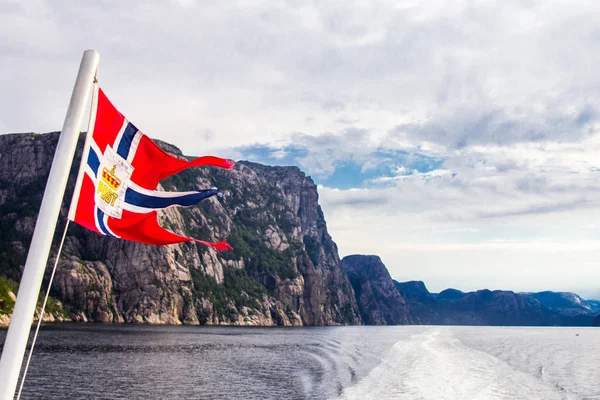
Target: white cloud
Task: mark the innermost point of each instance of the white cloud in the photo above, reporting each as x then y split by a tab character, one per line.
506	93
546	251
506	217
254	71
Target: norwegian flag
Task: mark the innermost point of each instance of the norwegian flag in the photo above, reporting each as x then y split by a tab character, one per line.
121	167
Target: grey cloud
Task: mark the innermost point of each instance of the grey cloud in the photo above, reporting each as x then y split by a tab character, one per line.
359	203
333	105
350	141
433	65
533	184
346	121
542	209
587	115
497	127
506	166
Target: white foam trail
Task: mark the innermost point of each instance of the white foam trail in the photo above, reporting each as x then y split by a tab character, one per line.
436	365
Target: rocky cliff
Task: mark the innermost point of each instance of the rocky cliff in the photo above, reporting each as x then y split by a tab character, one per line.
423	309
380	303
284	269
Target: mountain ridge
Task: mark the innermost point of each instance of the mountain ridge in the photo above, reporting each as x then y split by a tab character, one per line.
496	307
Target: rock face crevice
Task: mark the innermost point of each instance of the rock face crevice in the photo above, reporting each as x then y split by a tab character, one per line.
379	301
284	270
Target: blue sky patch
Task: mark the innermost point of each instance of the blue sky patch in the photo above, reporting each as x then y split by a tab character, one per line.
345	170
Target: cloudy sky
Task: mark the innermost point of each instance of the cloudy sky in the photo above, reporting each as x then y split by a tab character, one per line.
458	140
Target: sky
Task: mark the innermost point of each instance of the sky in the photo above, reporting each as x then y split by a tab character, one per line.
457	140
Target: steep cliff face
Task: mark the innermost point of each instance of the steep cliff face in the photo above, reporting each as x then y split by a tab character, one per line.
379	301
285	269
423	308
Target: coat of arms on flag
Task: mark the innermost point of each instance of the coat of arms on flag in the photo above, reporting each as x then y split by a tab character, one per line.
121	167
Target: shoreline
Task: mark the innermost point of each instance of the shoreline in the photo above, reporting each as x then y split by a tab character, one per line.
4	325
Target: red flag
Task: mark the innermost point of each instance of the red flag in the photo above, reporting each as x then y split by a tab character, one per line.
116	194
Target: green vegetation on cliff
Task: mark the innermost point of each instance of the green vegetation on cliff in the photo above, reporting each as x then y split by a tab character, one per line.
237	287
262	260
6	302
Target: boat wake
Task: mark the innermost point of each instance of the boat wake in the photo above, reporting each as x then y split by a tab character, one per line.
437	365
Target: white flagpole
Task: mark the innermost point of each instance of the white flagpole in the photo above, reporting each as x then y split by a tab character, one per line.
29	288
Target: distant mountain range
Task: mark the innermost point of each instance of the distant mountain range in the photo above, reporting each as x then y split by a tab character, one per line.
371	282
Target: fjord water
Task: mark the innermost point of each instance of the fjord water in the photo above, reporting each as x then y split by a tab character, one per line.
401	362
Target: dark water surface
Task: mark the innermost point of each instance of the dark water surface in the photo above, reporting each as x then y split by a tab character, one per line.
168	362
